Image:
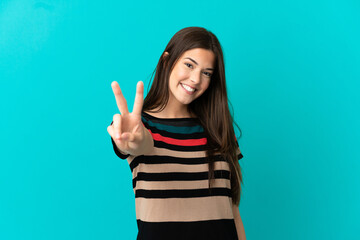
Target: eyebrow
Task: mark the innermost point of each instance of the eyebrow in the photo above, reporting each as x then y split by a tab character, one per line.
197	63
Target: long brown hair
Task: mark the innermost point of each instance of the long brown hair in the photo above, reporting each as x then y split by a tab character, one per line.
211	107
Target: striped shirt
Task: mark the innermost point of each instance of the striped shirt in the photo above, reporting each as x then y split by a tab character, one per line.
172	198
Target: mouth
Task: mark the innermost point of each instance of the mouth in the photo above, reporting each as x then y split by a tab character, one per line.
188	89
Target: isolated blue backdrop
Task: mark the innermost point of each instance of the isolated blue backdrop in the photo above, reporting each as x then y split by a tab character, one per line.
293	76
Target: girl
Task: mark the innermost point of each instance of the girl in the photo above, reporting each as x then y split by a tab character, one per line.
181	146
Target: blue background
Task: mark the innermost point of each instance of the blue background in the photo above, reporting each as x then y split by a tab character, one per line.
293	71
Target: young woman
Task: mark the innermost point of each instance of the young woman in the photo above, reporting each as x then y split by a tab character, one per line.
181	145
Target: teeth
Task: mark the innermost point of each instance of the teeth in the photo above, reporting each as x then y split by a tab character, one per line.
188	88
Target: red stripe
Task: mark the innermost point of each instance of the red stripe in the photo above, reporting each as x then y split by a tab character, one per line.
173	141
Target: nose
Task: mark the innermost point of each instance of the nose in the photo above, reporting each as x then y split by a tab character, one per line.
195	77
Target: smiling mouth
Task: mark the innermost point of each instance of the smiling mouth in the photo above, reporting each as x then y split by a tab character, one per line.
188	89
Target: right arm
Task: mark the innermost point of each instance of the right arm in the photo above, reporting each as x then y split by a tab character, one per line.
127	130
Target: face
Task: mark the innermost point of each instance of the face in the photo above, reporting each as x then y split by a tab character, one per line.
191	76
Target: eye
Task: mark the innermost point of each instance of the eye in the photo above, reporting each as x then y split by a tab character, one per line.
188	64
208	74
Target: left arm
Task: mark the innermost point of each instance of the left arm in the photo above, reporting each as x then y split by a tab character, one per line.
238	222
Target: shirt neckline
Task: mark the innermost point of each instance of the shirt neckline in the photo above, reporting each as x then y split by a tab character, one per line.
169	119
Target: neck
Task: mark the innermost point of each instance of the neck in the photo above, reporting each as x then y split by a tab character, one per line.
171	113
174	111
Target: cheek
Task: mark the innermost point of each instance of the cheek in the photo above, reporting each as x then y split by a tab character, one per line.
182	73
206	84
177	75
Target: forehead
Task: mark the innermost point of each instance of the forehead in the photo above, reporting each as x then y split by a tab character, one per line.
203	57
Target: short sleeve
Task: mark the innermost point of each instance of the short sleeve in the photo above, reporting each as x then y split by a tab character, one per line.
117	151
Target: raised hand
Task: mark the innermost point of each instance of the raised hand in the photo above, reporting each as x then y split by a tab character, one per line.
127	130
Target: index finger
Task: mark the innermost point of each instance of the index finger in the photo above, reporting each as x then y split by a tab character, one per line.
139	98
119	97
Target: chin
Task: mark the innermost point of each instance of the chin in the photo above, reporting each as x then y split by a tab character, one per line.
186	102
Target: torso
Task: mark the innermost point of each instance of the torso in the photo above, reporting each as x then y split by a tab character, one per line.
172	198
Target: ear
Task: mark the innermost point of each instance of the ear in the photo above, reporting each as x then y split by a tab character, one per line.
165	56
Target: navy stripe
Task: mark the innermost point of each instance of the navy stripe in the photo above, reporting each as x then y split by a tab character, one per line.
183	193
172	121
219	229
194	135
160	144
174	129
179	176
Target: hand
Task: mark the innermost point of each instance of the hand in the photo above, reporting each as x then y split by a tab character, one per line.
127	130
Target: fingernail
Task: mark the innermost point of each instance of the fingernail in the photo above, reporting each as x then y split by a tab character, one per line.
117	135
